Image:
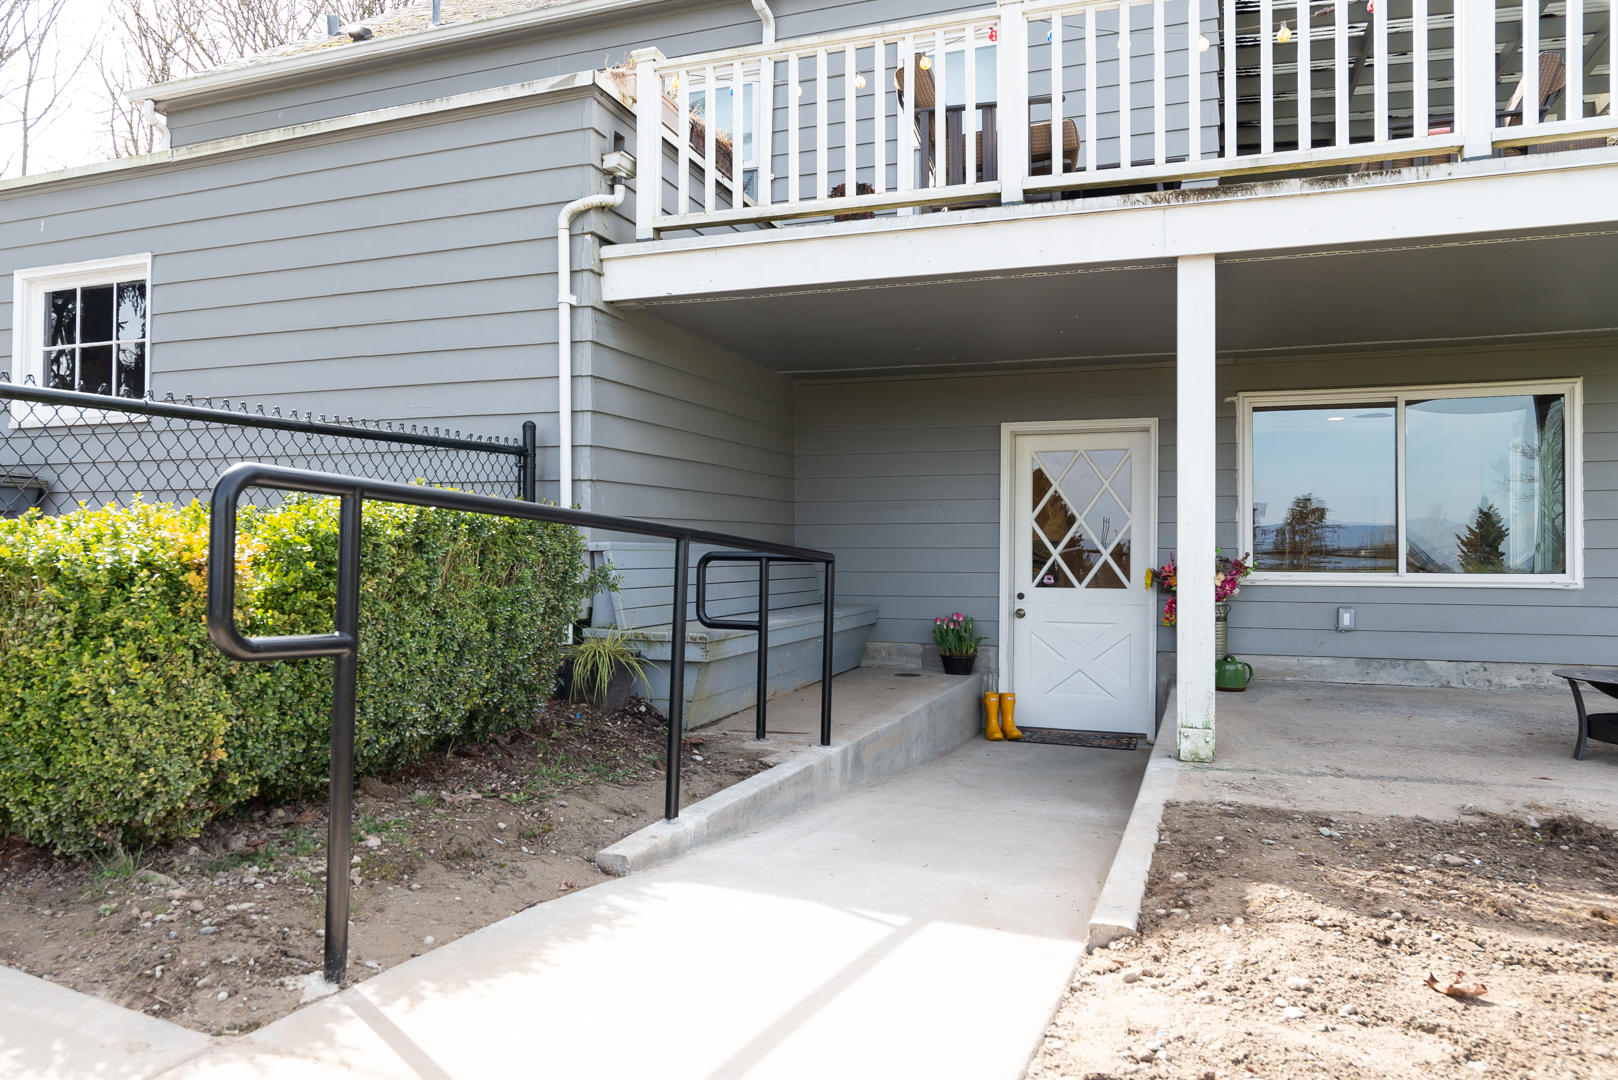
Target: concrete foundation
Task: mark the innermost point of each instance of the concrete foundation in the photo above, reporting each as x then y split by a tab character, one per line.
721	666
1459	675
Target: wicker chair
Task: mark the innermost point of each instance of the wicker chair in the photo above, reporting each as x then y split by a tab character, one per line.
1039	135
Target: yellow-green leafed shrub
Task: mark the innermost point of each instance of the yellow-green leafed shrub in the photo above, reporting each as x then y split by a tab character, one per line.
120	723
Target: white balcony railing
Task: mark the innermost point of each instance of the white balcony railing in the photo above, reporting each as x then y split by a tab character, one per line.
991	105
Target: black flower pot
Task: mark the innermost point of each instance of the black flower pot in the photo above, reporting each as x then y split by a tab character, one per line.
959	665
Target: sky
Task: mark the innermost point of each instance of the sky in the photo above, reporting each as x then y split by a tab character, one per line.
76	133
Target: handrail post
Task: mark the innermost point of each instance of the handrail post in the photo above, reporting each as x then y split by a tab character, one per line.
759	730
528	464
826	631
1475	77
671	795
648	141
1011	69
339	828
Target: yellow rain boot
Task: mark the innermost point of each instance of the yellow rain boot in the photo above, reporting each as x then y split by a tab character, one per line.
991	718
1008	709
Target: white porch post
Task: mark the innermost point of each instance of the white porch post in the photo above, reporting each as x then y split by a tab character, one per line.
649	141
1475	77
1194	508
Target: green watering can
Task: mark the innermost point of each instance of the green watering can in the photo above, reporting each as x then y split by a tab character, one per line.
1232	674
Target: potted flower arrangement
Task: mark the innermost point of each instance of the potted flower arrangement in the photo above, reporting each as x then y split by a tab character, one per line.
1229	573
957	644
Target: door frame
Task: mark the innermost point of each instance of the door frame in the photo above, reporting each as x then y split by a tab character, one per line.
1009	430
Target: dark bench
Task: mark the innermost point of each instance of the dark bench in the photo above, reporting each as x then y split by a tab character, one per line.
1602	727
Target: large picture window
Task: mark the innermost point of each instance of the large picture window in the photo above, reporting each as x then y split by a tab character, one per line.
1426	485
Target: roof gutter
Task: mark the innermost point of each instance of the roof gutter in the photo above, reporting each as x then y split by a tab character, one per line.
252	77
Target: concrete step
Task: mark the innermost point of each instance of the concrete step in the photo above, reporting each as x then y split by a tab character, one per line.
721	666
883	721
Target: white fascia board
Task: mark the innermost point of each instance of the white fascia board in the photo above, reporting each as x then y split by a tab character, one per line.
255	76
556	84
1493	196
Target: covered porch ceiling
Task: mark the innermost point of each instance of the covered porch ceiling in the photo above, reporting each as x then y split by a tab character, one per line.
1442	290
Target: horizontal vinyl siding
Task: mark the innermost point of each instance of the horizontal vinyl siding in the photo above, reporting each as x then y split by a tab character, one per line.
586	45
404	272
900	477
673	427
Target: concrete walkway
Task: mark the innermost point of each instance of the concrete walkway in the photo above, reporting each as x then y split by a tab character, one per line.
922	926
1407	750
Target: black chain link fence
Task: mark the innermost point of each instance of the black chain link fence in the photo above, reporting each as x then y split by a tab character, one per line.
60	448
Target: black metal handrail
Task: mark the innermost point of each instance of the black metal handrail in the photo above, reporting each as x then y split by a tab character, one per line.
761	626
343	642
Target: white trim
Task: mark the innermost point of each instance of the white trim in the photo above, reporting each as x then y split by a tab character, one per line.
254	75
1572	189
1009	430
1573	481
28	289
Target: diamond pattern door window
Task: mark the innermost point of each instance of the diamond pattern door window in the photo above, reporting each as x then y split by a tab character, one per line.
1081	519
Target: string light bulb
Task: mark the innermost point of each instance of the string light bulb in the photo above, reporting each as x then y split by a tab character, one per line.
1123	42
1284	34
800	89
925	63
1203	44
994	33
859	80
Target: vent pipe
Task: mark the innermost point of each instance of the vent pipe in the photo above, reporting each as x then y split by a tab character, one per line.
438	12
332	24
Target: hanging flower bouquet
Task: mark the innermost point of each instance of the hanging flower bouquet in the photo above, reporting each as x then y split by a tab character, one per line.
1229	574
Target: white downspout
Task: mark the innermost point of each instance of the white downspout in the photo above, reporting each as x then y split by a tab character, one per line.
157	123
767	17
621	166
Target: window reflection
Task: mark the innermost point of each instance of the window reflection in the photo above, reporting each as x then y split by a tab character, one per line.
1485	491
1324	489
95	339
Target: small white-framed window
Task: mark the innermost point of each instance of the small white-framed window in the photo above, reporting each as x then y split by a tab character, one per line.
84	326
1447	485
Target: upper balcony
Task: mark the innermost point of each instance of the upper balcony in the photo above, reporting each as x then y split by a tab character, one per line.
964	111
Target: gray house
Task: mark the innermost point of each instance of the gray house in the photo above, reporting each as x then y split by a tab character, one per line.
1005	305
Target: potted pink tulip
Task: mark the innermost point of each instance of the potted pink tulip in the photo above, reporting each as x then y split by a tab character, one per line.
957	644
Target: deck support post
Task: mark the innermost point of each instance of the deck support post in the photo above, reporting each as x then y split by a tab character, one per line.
648	141
1196	397
1474	79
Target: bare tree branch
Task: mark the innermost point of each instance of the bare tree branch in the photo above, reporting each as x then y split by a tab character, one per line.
154	41
37	73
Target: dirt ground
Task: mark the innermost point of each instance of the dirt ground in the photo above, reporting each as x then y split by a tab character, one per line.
1281	945
217	934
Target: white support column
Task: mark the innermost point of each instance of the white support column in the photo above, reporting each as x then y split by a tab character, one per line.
1196	398
649	141
1012	112
1475	78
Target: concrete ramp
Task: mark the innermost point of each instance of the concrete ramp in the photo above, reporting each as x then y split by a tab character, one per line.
884	721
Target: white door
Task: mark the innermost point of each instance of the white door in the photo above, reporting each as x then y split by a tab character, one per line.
1083	622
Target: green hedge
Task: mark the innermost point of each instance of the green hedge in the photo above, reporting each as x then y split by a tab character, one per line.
121	724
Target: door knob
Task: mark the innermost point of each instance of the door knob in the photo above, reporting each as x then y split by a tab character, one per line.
1022	613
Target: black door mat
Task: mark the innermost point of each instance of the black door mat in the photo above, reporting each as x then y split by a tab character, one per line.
1096	740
